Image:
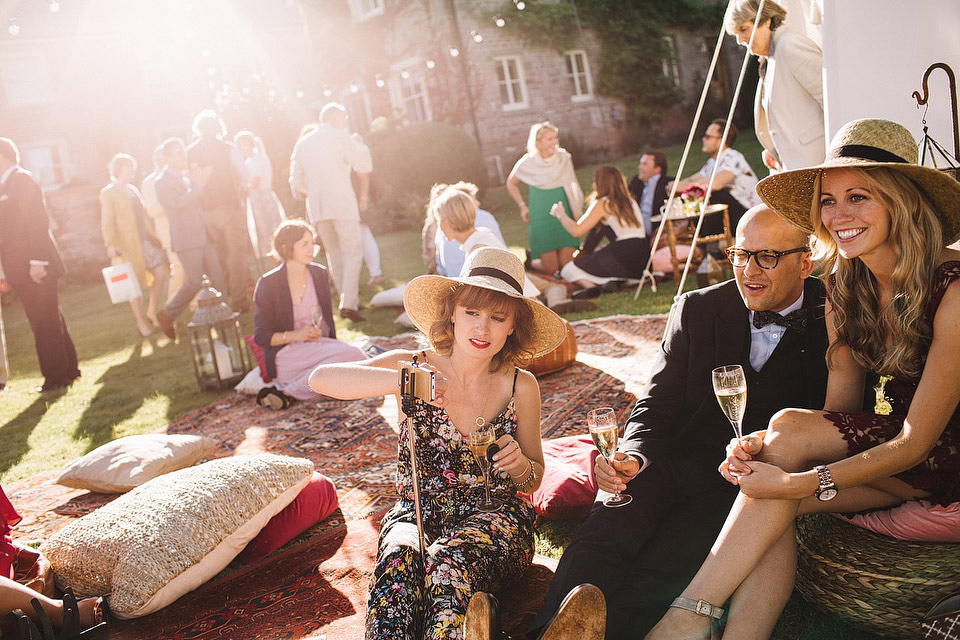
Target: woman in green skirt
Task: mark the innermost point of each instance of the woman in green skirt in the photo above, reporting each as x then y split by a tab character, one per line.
548	170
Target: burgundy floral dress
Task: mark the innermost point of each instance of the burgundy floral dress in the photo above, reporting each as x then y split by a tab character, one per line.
468	550
939	474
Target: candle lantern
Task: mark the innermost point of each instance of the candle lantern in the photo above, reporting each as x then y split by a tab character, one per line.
219	354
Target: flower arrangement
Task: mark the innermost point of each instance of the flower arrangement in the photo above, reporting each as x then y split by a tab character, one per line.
692	198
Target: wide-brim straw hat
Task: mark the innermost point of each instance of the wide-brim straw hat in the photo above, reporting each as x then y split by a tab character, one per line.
488	268
862	144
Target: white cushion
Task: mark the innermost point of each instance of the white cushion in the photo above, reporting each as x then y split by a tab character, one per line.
389	297
125	463
251	383
149	547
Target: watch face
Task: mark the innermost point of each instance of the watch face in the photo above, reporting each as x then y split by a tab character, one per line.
827	494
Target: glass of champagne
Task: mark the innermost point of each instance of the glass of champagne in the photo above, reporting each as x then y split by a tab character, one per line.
318	320
481	438
730	387
603	429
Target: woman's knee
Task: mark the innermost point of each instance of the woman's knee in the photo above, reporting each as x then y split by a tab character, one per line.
789	437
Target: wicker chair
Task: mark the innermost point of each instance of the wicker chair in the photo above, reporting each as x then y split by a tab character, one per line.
873	581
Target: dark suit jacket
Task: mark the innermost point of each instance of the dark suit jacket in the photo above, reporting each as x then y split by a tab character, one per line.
274	308
182	206
678	413
660	193
25	229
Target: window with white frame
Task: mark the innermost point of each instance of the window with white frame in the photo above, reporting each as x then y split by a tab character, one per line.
669	62
47	161
367	9
510	81
26	79
578	75
413	95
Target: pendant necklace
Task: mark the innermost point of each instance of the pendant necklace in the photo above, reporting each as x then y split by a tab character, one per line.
480	420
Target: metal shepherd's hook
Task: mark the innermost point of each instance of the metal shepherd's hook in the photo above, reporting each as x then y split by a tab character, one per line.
922	99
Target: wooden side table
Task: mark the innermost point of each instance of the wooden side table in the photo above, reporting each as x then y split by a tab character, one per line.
678	215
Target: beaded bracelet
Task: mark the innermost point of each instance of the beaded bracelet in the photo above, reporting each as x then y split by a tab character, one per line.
530	478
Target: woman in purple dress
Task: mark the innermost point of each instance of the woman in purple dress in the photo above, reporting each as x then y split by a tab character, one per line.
294	313
893	302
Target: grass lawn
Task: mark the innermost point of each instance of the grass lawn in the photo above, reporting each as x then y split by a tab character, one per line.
132	385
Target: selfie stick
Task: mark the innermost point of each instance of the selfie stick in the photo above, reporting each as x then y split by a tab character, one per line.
408	402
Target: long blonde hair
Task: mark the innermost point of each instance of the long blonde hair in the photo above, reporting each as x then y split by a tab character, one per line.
861	323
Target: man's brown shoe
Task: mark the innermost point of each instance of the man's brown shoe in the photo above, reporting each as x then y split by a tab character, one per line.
582	616
166	325
352	315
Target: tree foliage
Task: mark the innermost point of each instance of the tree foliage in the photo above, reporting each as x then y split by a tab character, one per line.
633	47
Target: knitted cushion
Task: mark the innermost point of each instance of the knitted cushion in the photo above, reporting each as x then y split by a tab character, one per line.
172	534
125	463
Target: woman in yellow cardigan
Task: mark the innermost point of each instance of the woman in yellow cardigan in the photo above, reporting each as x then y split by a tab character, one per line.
129	237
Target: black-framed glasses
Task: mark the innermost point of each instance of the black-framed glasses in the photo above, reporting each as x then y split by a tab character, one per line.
766	258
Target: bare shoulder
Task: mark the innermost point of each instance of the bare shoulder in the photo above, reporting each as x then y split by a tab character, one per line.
527	383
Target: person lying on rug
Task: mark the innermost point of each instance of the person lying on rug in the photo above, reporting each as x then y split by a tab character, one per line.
482	330
293	322
622	259
26	578
892	308
642	554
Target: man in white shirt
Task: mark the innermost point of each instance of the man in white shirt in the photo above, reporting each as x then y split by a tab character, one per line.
320	171
735	184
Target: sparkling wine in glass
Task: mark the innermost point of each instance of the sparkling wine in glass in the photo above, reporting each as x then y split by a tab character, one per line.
603	429
730	387
318	320
480	439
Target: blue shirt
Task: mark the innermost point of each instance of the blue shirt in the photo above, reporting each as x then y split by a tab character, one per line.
449	255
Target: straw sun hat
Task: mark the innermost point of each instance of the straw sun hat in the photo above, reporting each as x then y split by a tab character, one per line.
488	268
862	144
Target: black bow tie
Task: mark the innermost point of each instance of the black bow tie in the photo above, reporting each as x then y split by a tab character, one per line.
795	320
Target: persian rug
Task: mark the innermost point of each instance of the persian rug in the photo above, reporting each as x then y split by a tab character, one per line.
315	587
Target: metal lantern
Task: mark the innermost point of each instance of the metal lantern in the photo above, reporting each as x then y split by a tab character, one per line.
219	354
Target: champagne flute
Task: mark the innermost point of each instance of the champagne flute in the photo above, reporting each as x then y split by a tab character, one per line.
730	387
481	438
603	429
318	321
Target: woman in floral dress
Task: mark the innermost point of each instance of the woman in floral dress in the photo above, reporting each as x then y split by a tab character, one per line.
893	291
481	330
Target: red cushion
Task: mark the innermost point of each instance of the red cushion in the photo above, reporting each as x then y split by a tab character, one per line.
569	487
917	520
317	501
260	358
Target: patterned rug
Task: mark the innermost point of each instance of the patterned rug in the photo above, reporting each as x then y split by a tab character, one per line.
316	585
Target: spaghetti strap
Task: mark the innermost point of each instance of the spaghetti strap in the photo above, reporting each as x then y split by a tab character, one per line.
516	372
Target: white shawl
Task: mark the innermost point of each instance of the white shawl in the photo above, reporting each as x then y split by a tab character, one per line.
550	173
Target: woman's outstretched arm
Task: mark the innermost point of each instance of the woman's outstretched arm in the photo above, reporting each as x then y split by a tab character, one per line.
362	379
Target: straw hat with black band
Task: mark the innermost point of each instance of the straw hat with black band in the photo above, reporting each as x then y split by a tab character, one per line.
862	144
488	268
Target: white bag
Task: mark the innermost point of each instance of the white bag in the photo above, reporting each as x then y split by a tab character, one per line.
121	282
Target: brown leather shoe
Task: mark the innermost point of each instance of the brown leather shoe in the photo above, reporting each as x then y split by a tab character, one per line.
166	325
582	616
351	314
483	618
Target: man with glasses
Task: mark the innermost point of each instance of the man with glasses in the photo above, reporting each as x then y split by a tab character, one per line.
735	183
770	321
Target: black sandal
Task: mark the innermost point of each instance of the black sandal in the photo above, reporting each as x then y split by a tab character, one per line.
273	399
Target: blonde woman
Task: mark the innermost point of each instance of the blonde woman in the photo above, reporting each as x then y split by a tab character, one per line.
129	236
547	169
892	307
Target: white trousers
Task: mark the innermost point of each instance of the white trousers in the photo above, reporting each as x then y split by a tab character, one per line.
342	242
